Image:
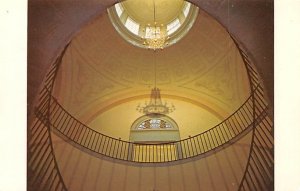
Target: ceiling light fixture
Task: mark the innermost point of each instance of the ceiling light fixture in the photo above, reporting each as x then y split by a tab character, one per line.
155	105
155	37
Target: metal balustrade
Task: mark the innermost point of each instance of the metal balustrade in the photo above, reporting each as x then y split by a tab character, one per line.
72	129
259	172
43	172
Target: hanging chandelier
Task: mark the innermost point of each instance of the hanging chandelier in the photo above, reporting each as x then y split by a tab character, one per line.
155	105
155	37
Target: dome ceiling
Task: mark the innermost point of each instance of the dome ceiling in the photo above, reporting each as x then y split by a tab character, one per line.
142	11
100	71
144	26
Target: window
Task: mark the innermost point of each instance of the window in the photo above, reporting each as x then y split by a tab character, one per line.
119	9
132	26
154	124
152	32
186	9
173	26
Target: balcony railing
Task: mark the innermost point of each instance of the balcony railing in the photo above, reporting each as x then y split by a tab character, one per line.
222	134
42	170
44	174
259	172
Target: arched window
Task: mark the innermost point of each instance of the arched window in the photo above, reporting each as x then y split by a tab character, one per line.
149	131
154	128
155	123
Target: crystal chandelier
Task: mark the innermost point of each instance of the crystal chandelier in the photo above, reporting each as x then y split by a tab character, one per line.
155	105
155	37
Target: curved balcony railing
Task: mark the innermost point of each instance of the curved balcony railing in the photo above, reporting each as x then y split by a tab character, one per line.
226	132
42	169
44	174
259	172
72	129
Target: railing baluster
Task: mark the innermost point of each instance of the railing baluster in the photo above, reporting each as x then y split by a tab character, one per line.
38	159
263	138
57	117
238	123
91	142
81	138
211	141
243	120
107	145
262	174
112	148
70	127
196	146
54	112
221	135
263	149
224	133
61	117
228	124
121	150
167	148
263	165
252	182
35	142
124	149
191	147
268	164
160	153
96	139
37	152
101	144
266	132
47	162
89	138
63	127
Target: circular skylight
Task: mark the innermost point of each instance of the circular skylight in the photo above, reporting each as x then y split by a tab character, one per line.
157	24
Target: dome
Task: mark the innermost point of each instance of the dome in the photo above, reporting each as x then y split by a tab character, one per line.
153	24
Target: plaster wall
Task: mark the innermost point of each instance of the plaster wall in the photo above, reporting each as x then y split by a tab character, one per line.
191	119
51	24
222	170
101	70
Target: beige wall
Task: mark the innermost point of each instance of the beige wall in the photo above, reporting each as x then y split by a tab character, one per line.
191	119
220	171
53	23
100	71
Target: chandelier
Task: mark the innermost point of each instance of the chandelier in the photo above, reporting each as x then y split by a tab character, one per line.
155	105
155	37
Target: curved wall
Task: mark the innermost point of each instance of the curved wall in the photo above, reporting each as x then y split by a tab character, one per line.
117	121
220	171
52	24
77	167
101	70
